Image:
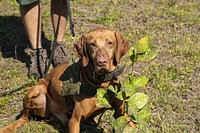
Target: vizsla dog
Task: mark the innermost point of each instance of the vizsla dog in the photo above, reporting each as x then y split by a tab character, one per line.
68	93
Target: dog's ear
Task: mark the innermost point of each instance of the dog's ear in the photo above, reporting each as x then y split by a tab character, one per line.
122	46
42	82
28	88
34	92
81	51
40	87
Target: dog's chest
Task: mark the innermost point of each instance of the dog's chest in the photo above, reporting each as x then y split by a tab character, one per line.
71	84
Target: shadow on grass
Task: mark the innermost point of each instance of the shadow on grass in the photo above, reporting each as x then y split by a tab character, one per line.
85	127
14	40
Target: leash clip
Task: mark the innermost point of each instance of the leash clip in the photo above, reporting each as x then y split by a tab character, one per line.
73	39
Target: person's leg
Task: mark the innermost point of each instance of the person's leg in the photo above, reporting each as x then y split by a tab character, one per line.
31	18
59	8
32	21
59	13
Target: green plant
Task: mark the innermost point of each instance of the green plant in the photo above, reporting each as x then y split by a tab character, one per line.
136	102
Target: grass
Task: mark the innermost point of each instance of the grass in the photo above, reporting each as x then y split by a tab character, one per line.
173	26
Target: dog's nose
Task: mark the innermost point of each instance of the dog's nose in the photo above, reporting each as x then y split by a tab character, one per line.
102	63
102	59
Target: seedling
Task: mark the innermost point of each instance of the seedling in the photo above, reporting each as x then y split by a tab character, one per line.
136	102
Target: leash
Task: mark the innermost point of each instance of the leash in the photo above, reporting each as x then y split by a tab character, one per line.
15	90
71	29
70	20
54	42
56	34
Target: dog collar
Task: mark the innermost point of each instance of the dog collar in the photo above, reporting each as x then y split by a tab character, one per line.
109	76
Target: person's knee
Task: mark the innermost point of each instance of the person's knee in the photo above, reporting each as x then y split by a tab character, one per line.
26	2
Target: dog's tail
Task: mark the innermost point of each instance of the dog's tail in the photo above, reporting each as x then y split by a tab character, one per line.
19	123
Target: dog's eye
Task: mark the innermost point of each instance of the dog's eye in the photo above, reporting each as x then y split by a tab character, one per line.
92	44
110	43
34	96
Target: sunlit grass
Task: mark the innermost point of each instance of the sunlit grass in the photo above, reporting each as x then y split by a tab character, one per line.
173	27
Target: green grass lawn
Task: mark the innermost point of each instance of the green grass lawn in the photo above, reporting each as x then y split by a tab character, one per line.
173	27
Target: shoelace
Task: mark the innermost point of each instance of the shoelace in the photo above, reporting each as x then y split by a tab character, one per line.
34	59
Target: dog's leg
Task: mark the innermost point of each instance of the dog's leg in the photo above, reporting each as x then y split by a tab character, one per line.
119	107
58	110
84	107
74	122
19	123
130	122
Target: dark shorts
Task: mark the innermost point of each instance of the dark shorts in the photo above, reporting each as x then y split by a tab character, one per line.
26	2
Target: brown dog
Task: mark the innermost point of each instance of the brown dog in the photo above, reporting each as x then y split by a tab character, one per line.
68	92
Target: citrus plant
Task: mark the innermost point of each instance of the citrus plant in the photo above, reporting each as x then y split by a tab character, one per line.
136	102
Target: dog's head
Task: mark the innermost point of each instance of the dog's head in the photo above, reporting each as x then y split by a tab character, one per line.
35	100
103	48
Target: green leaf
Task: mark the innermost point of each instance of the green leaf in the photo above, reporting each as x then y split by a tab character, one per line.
129	129
144	114
128	80
121	95
139	100
129	89
131	54
113	88
143	117
149	55
143	45
131	51
101	92
103	103
133	111
119	124
140	81
103	98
